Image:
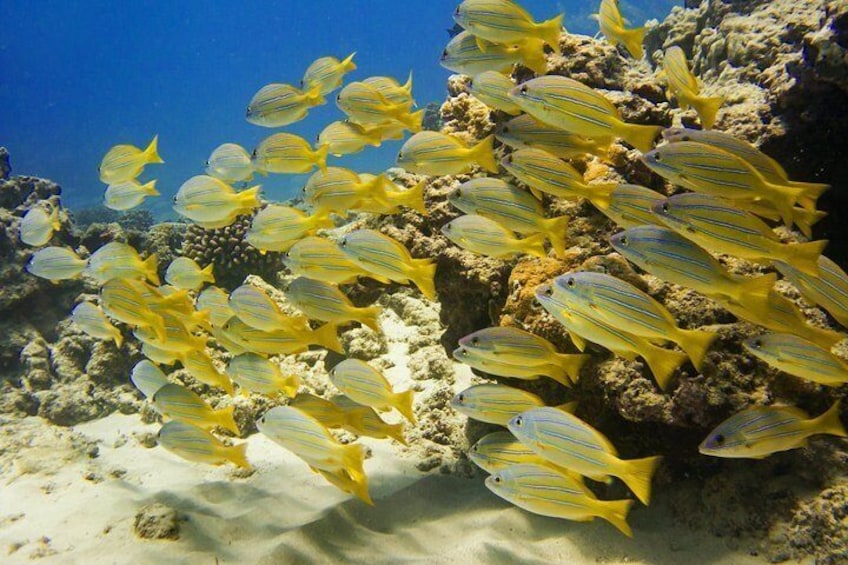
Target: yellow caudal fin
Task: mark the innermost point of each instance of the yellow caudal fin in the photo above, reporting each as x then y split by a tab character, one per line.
395	431
249	198
615	512
237	454
413	198
313	96
423	275
348	64
663	363
321	220
533	244
118	337
696	343
571	363
151	269
151	154
805	219
207	273
810	194
326	336
403	403
407	87
157	324
320	157
149	188
550	31
412	120
756	290
353	456
532	53
557	373
54	218
632	40
225	419
829	422
570	407
368	317
805	256
601	194
226	385
639	136
707	109
637	475
556	230
483	153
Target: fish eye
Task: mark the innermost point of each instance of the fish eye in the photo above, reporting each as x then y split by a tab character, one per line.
445	54
400	155
548	291
665	207
757	343
719	439
470	83
459	192
623	240
474	448
447	227
456	12
175	199
519	421
523	89
475	340
657	157
570	281
343	243
253	155
507	160
496	479
685	138
338	97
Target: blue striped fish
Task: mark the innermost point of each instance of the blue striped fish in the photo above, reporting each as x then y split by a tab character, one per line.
718	226
511	207
117	260
799	357
525	131
581	328
280	342
195	444
179	403
366	105
368	423
276	105
436	153
364	384
217	302
339	190
489	238
829	289
566	440
344	137
492	88
323	301
326	73
565	372
498	450
55	264
123	163
623	306
254	373
93	321
230	162
762	430
612	25
120	300
494	403
148	378
571	105
208	200
630	205
505	21
321	259
288	153
383	256
470	55
683	85
278	228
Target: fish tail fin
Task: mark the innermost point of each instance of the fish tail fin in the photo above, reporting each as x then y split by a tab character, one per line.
533	56
805	219
322	220
632	39
805	256
707	109
407	86
572	363
227	385
158	324
570	407
556	229
326	336
369	317
151	153
414	198
290	386
226	420
637	476
207	273
413	120
249	198
149	188
550	31
55	222
484	154
423	276
348	64
151	269
757	289
830	422
313	97
534	244
810	194
663	363
395	431
696	343
615	512
601	195
353	456
403	404
237	454
321	157
639	136
118	337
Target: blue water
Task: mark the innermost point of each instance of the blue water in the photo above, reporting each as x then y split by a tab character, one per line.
80	77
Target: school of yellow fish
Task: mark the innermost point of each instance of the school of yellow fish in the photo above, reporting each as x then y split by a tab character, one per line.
540	464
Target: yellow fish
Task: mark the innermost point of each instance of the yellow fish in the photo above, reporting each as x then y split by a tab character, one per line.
281	342
365	104
177	340
828	289
326	73
434	153
38	225
525	131
200	366
120	300
186	274
344	137
338	190
159	355
55	264
148	378
683	85
288	153
571	105
128	194
307	438
325	302
370	424
321	259
255	308
544	172
566	440
630	205
328	413
117	260
499	450
613	27
392	90
278	228
208	200
542	490
396	197
256	374
195	444
504	21
492	89
125	162
179	403
230	162
364	384
483	236
383	256
799	357
493	403
276	105
470	55
93	321
760	431
217	302
565	375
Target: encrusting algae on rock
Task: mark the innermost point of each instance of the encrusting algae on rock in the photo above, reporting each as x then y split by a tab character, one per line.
571	172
